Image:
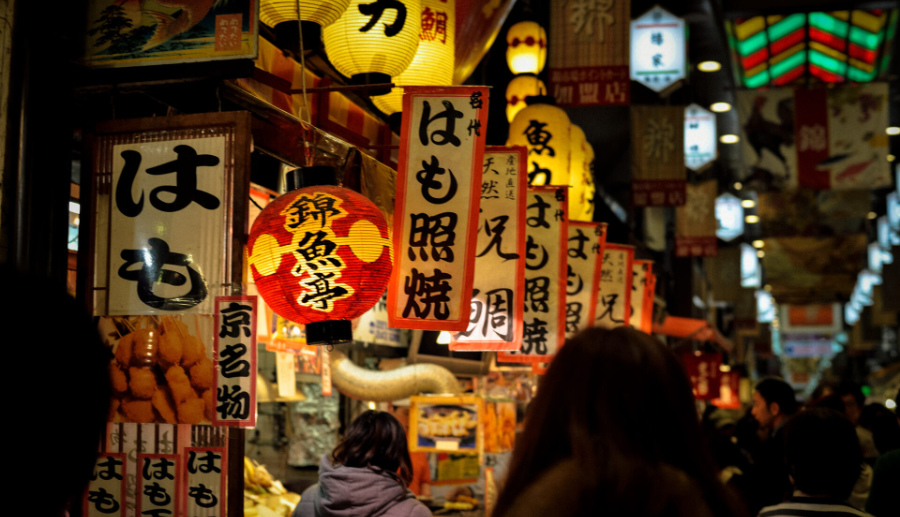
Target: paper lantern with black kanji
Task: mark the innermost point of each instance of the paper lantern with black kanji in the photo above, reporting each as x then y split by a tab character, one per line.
521	87
544	130
374	41
526	48
322	12
435	58
320	254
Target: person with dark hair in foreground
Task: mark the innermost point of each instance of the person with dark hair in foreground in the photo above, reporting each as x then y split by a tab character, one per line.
824	459
883	499
774	404
366	475
613	430
62	406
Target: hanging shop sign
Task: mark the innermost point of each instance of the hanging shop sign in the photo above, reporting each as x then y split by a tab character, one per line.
372	327
657	165
729	217
436	207
815	138
106	490
544	130
729	391
235	352
613	302
765	306
589	44
695	222
204	478
700	137
658	49
157	484
544	323
751	270
893	210
124	34
643	284
495	321
823	318
446	424
585	254
704	372
151	176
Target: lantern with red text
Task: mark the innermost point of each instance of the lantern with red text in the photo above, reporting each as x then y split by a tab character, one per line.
320	254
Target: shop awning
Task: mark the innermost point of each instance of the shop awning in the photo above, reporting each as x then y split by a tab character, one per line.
694	329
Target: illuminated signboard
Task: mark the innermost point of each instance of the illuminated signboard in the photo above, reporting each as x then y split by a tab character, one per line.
729	217
658	49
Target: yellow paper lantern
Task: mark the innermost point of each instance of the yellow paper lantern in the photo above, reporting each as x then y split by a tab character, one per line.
435	58
371	43
519	88
544	130
581	182
526	50
323	12
590	189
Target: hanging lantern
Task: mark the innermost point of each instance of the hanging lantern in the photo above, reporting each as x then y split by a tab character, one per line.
322	12
577	183
519	88
320	255
373	40
544	130
526	50
590	189
435	58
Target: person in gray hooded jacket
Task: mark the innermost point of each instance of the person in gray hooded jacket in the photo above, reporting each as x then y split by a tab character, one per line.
366	475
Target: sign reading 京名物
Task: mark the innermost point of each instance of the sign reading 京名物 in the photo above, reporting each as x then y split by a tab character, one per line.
586	241
658	49
235	349
700	139
614	289
543	328
106	490
657	156
436	207
642	279
206	470
695	222
704	370
157	483
495	322
589	53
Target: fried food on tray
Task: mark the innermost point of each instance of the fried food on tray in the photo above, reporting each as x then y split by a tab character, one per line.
142	382
140	411
145	345
203	374
180	384
191	411
113	409
193	350
170	348
118	377
161	401
125	349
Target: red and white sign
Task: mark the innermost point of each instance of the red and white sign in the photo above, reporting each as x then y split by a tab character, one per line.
106	490
436	207
157	484
703	370
613	300
498	294
205	474
235	360
546	255
642	278
729	391
586	241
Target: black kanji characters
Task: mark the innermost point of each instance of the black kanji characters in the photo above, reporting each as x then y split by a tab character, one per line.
437	231
426	177
425	293
377	8
153	271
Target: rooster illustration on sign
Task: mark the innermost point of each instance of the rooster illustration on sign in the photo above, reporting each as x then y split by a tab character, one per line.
763	134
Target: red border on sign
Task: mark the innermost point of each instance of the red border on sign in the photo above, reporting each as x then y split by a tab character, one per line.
252	353
601	240
561	279
629	265
462	323
598	270
643	324
140	478
521	199
186	476
121	456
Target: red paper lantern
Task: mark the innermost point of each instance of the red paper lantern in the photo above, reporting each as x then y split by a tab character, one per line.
320	254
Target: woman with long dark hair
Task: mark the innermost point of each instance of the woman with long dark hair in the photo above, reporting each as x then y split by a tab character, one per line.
613	430
366	475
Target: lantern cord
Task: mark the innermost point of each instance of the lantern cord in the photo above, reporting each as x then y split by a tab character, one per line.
302	66
255	203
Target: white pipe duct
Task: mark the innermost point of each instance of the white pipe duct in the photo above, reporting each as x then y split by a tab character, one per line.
385	386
